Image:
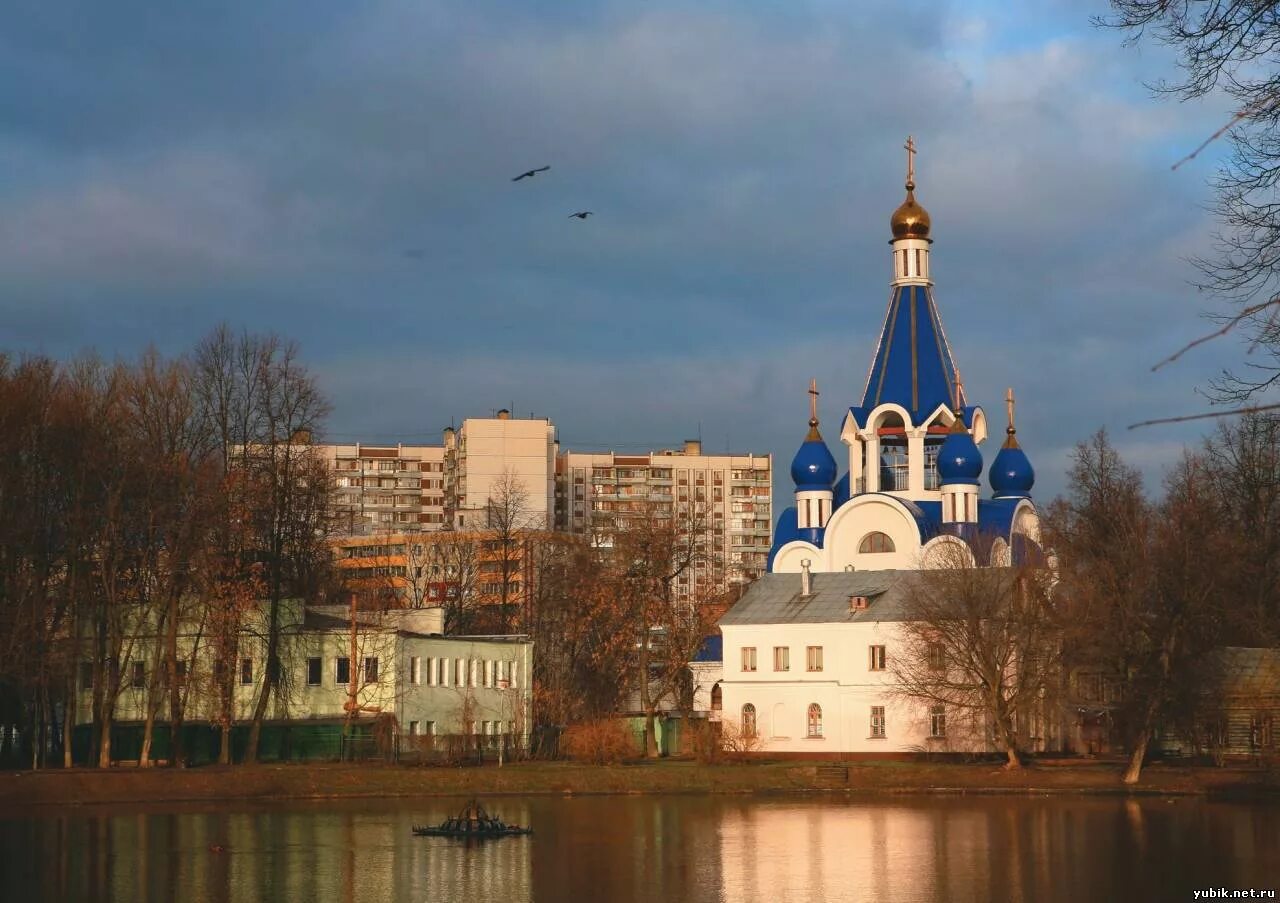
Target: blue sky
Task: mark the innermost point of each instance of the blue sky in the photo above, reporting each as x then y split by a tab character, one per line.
340	173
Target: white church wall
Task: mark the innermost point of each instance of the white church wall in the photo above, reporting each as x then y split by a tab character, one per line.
870	514
847	688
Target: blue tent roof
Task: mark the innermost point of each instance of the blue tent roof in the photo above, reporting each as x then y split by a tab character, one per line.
913	366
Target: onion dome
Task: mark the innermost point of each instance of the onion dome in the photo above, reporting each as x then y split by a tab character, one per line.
959	460
813	467
910	220
1011	472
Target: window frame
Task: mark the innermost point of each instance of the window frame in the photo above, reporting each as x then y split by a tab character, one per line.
938	722
246	671
813	658
781	658
340	664
879	723
876	658
749	726
749	661
875	543
315	670
813	719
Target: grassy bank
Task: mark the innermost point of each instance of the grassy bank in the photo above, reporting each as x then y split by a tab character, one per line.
20	791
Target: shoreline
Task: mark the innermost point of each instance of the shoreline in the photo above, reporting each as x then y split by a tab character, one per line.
23	791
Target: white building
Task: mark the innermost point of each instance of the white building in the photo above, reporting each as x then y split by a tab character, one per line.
805	671
485	452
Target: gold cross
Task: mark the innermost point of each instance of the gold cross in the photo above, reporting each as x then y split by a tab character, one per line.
1008	403
910	147
813	400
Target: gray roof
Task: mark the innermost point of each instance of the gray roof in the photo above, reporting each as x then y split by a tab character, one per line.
776	599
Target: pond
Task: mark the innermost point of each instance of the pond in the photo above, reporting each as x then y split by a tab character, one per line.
652	848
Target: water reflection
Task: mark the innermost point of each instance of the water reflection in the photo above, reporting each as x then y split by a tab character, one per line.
736	850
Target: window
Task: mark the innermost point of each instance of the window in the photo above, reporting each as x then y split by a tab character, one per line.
748	720
937	657
781	658
460	672
371	669
413	728
442	666
86	675
875	658
415	669
313	672
180	672
813	658
815	721
429	729
138	678
246	671
343	671
877	722
938	721
748	658
875	542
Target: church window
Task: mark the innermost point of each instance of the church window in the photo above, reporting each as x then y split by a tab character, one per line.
748	658
814	658
894	466
876	542
815	720
938	721
877	722
875	658
748	720
919	268
781	658
931	465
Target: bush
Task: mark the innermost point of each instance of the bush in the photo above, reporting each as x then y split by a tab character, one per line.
605	742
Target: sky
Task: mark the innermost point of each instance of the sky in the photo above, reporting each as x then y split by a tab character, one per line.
341	173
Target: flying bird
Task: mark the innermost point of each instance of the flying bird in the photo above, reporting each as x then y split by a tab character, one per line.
581	214
531	173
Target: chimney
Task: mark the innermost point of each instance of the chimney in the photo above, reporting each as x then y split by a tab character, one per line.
806	581
693	446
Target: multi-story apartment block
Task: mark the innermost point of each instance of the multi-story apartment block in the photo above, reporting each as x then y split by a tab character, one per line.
487	457
597	491
385	488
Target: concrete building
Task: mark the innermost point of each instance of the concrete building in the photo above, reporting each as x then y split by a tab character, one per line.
431	685
484	453
596	492
386	488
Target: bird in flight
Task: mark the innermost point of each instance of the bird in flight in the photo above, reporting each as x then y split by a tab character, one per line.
531	173
581	214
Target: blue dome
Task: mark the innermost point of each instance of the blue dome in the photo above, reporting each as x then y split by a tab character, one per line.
1011	471
841	492
959	460
813	468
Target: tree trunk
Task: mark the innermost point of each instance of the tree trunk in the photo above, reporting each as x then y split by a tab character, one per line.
177	755
104	741
269	679
68	723
650	732
1133	771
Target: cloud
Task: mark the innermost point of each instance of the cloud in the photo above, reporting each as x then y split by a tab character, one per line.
178	167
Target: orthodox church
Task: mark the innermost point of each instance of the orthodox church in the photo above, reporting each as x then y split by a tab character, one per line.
912	465
808	650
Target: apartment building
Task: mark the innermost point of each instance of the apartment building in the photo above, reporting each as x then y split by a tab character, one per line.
488	455
597	491
381	488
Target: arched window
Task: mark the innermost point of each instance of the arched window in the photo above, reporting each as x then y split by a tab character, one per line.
876	542
717	698
815	720
748	720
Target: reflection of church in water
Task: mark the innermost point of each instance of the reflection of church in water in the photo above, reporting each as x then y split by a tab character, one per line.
808	649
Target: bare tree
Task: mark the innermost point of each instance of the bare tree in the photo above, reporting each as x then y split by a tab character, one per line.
508	519
980	641
1141	582
649	554
1230	48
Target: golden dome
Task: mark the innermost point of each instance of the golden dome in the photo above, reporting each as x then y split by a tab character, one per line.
910	220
